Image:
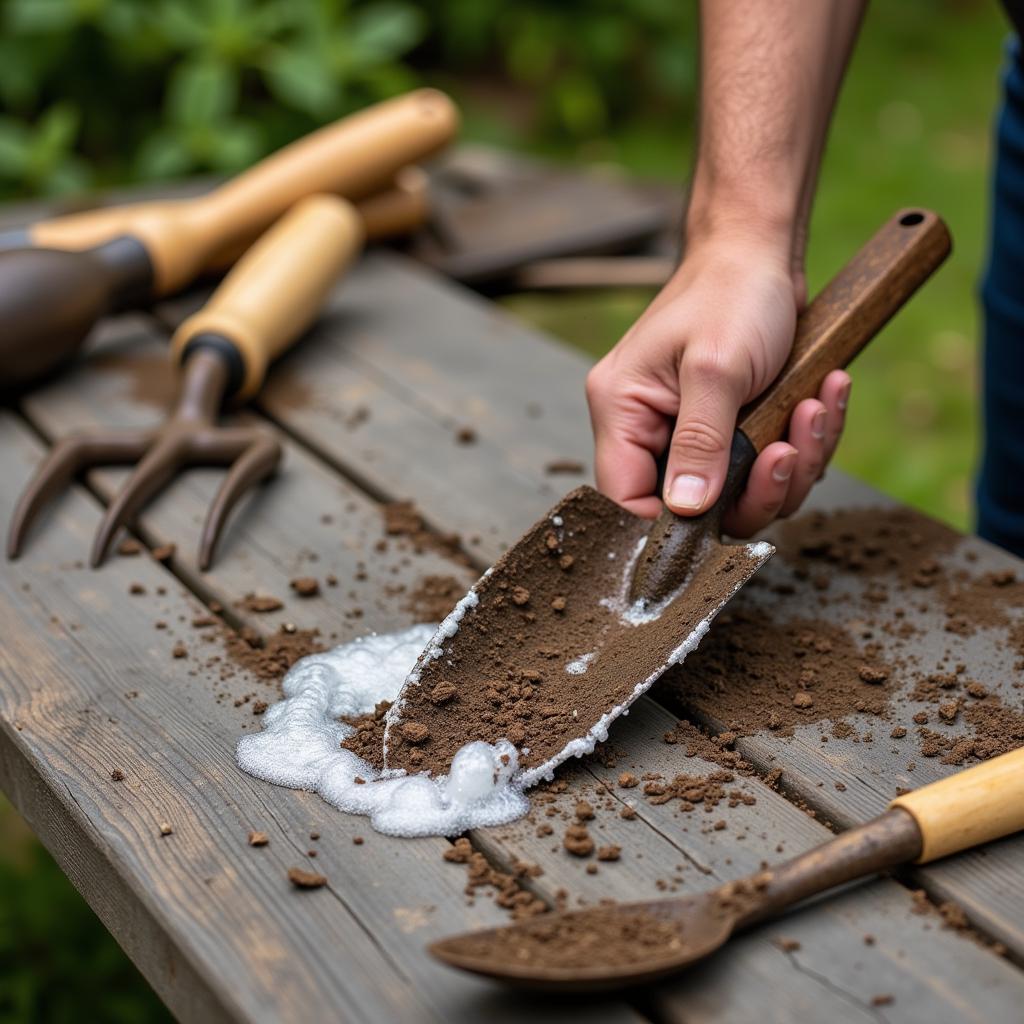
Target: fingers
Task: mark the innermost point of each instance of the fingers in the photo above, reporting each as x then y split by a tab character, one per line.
766	491
627	435
783	474
710	396
814	430
835	396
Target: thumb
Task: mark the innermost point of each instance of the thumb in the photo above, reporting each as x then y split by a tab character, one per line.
709	401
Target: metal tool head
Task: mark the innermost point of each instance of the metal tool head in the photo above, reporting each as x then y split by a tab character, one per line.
548	649
190	437
595	949
50	299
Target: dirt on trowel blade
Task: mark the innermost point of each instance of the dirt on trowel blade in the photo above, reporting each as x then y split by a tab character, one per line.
545	651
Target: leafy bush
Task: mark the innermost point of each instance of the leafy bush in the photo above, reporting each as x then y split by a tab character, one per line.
105	90
594	61
102	91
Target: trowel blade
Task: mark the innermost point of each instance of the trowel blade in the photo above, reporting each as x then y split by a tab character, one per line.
545	650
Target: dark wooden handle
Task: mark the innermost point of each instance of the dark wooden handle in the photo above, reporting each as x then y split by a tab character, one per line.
847	314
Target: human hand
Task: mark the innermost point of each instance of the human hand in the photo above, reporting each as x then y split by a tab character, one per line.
712	340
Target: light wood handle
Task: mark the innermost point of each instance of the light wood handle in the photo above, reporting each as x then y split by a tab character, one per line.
88	228
277	288
971	807
354	157
401	208
848	312
398	210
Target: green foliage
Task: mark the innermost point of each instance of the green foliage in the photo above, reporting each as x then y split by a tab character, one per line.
111	91
59	964
100	91
590	63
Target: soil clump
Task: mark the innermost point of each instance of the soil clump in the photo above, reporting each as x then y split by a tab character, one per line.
504	886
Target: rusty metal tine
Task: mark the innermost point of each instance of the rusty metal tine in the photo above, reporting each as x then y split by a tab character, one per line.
66	460
157	467
255	464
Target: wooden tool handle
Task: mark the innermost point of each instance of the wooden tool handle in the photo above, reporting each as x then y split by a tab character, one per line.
969	808
354	157
847	314
90	228
398	210
278	286
401	208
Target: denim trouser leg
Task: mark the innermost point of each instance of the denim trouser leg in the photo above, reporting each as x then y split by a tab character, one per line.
1001	482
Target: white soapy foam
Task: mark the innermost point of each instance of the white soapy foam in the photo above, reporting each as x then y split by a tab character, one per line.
578	666
300	745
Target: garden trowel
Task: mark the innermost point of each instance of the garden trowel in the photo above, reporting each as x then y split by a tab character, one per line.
593	604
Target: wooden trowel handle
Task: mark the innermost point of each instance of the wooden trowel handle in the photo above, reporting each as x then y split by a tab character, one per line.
277	288
846	315
975	806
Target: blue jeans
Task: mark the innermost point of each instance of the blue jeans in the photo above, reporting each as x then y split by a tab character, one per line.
1000	491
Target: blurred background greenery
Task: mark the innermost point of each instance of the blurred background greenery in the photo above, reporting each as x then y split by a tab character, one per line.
98	93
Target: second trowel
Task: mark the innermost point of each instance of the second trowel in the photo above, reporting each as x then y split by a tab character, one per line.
593	604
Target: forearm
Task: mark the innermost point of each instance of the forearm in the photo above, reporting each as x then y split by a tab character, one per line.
770	74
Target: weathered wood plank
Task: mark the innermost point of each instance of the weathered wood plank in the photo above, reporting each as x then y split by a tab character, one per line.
849	781
400	891
551	376
74	650
110	392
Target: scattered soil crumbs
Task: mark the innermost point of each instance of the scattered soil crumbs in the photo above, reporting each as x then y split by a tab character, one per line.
505	671
754	673
306	879
404	520
260	604
505	886
600	937
271	657
954	918
305	586
434	597
572	467
914	550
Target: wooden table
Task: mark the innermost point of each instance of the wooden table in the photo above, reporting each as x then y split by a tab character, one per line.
368	408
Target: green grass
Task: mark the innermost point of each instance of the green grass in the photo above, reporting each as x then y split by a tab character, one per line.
913	127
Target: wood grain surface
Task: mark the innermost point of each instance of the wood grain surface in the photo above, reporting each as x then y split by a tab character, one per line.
369	407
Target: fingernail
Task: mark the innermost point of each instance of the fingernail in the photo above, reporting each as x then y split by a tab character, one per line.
784	468
818	425
688	491
844	396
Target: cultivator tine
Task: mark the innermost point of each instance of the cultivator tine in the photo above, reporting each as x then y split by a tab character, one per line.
66	460
155	470
256	463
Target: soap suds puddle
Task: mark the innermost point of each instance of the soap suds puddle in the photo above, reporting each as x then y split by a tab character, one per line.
300	746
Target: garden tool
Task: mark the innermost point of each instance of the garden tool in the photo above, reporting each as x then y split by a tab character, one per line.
593	604
51	297
259	311
972	807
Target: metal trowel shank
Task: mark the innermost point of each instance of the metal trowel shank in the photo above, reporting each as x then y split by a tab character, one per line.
593	604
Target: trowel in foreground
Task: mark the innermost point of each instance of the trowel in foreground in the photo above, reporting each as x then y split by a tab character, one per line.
593	604
637	943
